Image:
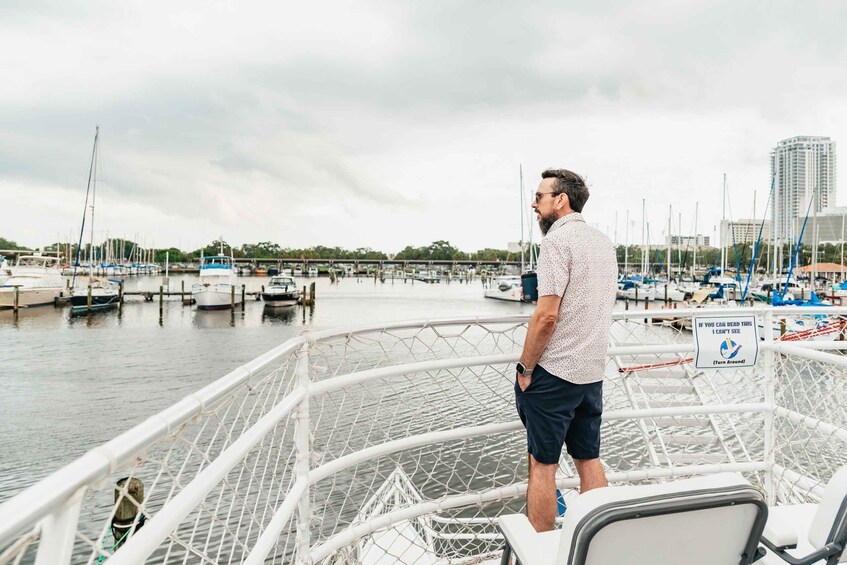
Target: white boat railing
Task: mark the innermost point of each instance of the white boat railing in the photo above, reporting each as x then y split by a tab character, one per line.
275	462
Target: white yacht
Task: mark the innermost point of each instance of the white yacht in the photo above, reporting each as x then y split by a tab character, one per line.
218	286
38	280
5	270
507	287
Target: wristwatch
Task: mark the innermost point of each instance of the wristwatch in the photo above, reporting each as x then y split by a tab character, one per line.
521	369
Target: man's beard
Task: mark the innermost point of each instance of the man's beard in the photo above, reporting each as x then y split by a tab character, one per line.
545	223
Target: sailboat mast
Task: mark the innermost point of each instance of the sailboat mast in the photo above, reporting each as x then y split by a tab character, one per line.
643	224
696	242
723	219
520	193
679	250
94	163
626	248
668	260
615	241
842	248
814	241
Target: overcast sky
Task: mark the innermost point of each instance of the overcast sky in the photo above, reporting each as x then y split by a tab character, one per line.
384	124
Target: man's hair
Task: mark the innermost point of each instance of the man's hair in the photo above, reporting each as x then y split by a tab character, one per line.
571	184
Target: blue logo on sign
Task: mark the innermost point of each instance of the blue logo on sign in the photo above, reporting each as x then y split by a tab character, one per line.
729	349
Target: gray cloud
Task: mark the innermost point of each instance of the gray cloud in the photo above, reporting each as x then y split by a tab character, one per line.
208	109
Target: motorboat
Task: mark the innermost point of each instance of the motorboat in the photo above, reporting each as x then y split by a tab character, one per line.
294	456
37	281
96	293
260	272
428	276
282	291
506	287
218	286
636	290
313	272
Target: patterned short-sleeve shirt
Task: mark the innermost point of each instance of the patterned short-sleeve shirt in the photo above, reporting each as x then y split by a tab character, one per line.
578	263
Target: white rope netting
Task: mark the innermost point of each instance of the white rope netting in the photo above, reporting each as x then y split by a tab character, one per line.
414	465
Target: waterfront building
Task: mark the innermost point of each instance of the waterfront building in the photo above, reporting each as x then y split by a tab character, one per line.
829	225
687	241
743	231
801	167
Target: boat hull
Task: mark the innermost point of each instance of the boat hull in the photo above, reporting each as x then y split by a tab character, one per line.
29	297
217	297
280	300
511	295
104	301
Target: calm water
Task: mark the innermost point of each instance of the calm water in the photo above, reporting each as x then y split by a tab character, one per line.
71	383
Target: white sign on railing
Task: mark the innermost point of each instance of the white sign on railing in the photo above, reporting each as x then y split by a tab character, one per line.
725	341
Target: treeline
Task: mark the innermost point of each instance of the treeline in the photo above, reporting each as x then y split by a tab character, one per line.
740	255
441	250
119	250
438	251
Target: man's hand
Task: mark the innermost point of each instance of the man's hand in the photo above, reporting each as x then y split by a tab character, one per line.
523	381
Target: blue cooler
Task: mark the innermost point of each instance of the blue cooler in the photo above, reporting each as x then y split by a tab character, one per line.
529	285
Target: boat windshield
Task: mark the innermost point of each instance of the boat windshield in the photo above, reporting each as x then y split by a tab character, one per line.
27	261
282	281
217	262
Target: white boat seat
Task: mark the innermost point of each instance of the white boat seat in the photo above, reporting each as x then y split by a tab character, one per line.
709	520
806	534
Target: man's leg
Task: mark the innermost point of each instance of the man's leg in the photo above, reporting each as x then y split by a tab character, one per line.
541	495
591	474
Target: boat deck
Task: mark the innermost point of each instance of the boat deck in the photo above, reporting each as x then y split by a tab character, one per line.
401	444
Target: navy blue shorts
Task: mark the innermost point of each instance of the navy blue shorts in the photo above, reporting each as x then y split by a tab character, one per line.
556	412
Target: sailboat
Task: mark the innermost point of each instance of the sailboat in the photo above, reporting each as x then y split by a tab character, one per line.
509	287
95	293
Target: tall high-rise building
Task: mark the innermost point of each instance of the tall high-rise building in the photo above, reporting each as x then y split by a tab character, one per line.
801	167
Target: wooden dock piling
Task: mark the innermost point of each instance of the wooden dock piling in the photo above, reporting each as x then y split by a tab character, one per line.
17	301
243	297
647	307
127	520
312	294
232	297
89	299
161	301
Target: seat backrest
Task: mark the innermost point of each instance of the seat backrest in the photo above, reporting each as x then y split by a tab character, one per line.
830	521
710	520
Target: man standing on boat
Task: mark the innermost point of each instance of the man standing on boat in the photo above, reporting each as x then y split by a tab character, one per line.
559	382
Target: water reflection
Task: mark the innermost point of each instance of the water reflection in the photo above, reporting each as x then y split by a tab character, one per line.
284	315
94	319
217	319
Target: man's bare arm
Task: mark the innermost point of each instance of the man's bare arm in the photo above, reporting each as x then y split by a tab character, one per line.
541	327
